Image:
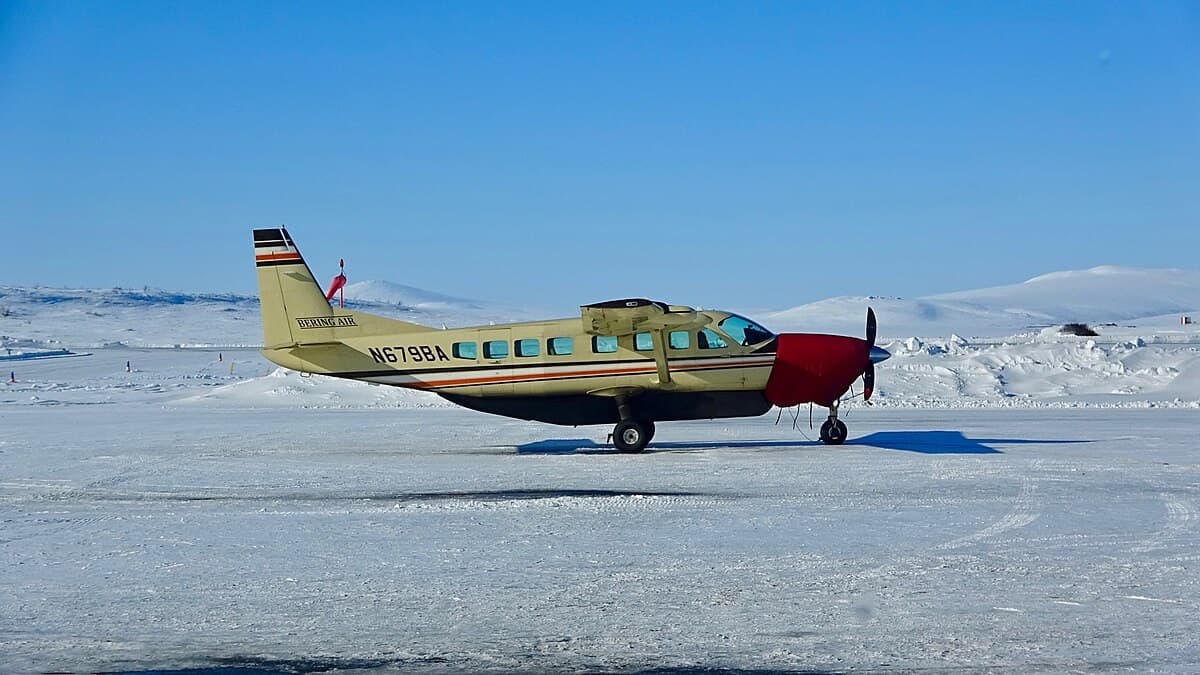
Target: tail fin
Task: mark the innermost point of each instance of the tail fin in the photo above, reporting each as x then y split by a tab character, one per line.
294	309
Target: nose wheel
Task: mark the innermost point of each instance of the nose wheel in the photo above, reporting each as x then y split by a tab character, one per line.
833	431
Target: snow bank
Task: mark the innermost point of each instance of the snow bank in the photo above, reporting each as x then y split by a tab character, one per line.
284	388
1059	371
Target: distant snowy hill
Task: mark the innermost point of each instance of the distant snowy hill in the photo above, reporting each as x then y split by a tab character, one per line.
114	316
1100	294
1149	297
389	293
90	318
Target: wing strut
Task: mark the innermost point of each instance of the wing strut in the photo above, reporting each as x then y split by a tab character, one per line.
660	356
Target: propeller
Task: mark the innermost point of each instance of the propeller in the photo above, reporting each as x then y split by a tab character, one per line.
869	373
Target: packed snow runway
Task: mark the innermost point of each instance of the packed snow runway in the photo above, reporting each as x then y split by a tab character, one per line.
141	535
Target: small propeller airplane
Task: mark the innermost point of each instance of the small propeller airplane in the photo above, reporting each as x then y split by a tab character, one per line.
629	362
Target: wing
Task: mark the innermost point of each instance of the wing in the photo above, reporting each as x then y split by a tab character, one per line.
638	315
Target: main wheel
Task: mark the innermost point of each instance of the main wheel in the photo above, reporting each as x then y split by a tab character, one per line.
632	435
833	432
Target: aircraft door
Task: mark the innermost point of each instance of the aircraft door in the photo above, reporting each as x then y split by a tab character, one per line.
496	352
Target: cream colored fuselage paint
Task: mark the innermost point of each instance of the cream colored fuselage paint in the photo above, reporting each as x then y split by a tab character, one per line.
427	359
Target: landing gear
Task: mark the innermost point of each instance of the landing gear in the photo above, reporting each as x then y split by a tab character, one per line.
632	435
833	431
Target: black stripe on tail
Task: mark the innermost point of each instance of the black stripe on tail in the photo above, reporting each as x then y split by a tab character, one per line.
272	237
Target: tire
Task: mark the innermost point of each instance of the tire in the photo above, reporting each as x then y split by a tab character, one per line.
632	435
833	433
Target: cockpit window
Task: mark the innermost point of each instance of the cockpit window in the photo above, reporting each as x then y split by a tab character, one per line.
744	331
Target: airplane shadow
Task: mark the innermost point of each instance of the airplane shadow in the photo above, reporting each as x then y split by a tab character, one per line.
946	442
931	442
586	446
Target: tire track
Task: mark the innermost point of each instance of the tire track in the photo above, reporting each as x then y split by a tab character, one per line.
1025	510
1181	517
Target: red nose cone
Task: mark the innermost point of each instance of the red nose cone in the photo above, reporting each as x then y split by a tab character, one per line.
815	368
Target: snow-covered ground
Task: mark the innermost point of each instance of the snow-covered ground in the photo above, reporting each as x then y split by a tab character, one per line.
1016	500
145	537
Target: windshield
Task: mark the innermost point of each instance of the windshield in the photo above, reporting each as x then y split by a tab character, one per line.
744	331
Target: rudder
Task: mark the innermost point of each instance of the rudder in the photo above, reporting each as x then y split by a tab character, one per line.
287	291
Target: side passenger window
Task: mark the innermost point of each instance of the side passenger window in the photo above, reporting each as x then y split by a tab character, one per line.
707	339
464	350
679	339
643	342
604	344
560	346
526	347
495	349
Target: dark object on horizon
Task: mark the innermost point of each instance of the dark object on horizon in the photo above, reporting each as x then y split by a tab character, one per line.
1080	329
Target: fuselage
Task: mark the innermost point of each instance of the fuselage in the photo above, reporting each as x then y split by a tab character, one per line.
558	359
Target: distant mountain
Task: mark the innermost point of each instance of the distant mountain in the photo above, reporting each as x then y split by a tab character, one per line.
1097	295
152	317
134	317
52	317
389	293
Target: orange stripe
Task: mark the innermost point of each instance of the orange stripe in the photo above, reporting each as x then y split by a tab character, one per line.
501	379
287	255
634	370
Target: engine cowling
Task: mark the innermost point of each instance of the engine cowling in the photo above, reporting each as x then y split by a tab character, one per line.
815	368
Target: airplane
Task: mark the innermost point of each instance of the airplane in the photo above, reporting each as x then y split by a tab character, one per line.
630	362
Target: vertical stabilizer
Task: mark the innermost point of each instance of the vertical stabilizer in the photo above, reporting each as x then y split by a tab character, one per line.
290	296
294	309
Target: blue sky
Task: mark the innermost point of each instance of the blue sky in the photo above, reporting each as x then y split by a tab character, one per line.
734	154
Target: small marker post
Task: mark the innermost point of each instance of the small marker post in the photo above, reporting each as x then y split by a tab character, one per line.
12	377
128	367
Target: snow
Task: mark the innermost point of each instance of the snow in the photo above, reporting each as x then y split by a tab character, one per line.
1147	298
387	292
1048	369
286	388
93	318
1016	500
441	540
1100	294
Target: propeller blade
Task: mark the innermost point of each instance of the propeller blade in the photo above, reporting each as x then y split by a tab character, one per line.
869	374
